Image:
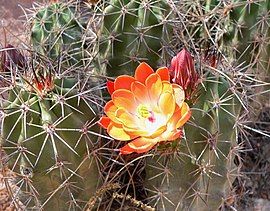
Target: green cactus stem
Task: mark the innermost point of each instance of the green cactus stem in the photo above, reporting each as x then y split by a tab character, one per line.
132	31
239	28
58	32
49	135
200	172
245	34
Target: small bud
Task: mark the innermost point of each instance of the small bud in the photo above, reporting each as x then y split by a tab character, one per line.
183	73
10	58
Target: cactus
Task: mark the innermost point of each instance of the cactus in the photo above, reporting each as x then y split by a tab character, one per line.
49	135
247	36
238	30
48	124
58	32
197	173
131	32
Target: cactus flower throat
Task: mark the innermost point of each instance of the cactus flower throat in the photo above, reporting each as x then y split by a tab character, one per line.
145	109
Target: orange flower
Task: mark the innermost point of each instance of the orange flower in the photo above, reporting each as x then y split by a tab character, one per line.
146	109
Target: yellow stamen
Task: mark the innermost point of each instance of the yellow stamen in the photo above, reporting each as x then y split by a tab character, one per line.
143	111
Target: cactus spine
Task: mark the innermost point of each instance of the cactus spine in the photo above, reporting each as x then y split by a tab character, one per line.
199	175
49	135
132	32
58	31
237	29
49	138
248	35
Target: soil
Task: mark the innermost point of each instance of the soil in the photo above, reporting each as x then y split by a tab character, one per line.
12	21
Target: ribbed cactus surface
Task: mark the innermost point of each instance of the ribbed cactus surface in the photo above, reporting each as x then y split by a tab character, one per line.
49	135
48	127
198	173
239	29
132	31
58	33
247	31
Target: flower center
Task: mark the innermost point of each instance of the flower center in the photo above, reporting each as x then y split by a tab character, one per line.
145	113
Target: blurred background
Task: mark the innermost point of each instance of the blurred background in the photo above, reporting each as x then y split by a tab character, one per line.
12	20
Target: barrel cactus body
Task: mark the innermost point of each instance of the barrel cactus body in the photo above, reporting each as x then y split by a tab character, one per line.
200	172
49	137
248	41
132	32
248	34
239	29
58	33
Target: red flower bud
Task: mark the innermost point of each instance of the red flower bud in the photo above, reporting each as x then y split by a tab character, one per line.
11	57
183	73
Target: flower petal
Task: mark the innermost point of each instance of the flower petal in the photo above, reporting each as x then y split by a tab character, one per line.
126	118
110	110
116	131
139	145
123	82
166	87
136	131
163	72
154	87
185	114
171	135
140	92
167	104
104	122
110	87
179	94
125	99
158	132
143	71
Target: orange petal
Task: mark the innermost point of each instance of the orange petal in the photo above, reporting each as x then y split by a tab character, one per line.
163	73
185	115
171	136
179	94
158	132
116	131
104	122
125	99
123	82
126	118
110	110
136	131
154	86
167	87
139	145
110	87
143	71
140	92
167	104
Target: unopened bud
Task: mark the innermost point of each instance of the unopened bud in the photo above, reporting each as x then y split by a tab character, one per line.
11	58
183	73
